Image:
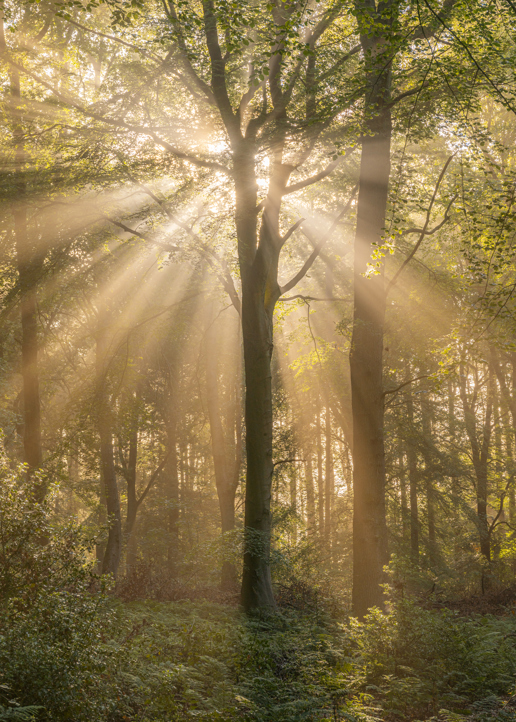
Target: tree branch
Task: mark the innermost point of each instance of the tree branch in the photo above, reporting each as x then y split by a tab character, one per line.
152	480
71	102
405	383
315	298
290	231
407	94
218	73
313	179
318	247
424	229
156	58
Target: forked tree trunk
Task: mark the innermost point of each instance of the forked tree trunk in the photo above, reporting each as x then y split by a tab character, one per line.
260	292
369	524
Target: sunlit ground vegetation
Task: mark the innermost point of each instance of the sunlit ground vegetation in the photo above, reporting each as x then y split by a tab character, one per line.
75	651
257	360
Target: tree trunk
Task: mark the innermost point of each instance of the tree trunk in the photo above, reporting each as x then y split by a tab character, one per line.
172	495
113	548
260	292
310	496
226	454
257	336
100	547
293	503
479	451
29	266
369	523
403	495
429	488
132	503
329	480
320	478
412	469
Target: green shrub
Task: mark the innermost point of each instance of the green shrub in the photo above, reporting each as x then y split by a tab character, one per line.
12	711
417	661
52	623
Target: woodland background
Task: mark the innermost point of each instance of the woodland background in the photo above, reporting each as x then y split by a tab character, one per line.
257	346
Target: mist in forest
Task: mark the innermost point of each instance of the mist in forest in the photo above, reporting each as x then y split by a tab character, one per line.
257	360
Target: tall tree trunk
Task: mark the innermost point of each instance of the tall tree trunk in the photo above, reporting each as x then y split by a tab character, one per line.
320	477
429	488
369	523
171	478
260	292
310	495
413	474
403	494
132	502
328	479
226	452
113	548
479	451
29	266
100	547
293	503
511	474
257	336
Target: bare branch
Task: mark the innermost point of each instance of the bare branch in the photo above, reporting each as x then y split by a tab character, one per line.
286	461
290	231
315	298
318	247
407	94
437	227
405	383
424	229
152	479
313	179
152	56
340	62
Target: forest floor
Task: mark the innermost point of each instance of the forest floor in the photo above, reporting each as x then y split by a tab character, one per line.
197	659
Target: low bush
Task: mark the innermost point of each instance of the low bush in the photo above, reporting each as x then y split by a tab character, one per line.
54	614
417	661
71	653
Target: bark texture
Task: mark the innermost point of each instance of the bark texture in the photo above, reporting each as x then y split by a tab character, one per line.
367	400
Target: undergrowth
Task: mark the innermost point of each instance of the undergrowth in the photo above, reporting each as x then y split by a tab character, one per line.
203	661
69	652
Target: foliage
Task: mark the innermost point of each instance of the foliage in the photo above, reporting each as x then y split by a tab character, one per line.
53	620
418	661
71	654
12	711
198	660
